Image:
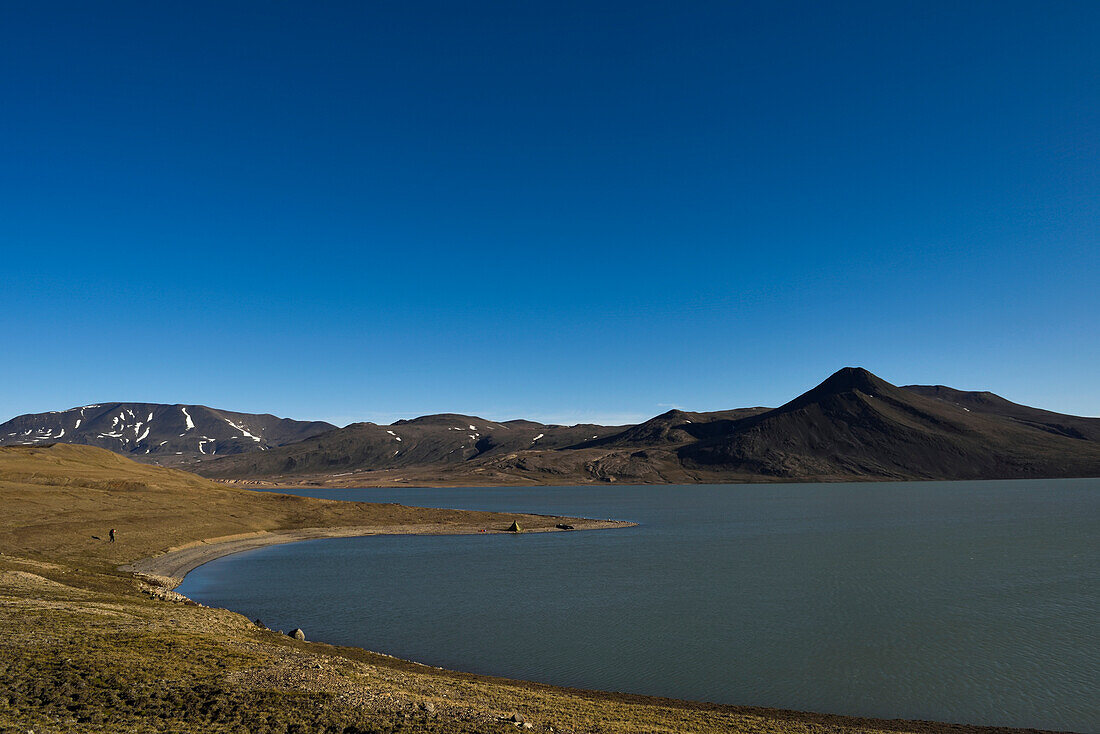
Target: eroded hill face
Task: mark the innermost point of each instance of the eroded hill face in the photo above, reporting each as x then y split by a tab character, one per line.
436	440
854	425
158	433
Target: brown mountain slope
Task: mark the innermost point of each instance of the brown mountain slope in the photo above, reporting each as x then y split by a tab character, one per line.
852	426
677	427
988	403
857	425
437	440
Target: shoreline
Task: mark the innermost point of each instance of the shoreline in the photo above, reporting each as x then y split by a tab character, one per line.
167	570
310	483
94	642
173	565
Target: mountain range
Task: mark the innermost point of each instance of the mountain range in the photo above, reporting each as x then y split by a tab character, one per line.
853	426
157	433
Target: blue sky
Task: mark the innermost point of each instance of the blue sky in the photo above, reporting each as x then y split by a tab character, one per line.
563	211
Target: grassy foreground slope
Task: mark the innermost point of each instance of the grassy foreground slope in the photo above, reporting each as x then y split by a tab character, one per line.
89	648
61	501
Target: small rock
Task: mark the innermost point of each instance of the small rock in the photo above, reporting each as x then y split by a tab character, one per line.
297	633
258	623
528	725
427	706
516	718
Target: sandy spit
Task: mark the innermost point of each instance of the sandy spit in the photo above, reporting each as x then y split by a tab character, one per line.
176	563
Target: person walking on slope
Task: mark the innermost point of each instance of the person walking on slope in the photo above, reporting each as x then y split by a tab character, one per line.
112	535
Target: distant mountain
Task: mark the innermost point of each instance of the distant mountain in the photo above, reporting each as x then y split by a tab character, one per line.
438	440
852	426
986	402
157	433
857	425
677	427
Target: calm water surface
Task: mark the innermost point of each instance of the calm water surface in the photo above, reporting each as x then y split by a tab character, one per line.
974	602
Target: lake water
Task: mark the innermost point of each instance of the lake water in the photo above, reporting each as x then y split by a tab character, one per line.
975	602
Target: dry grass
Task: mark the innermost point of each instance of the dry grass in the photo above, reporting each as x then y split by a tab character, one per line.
61	501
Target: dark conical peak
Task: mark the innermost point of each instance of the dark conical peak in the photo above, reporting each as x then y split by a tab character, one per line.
848	379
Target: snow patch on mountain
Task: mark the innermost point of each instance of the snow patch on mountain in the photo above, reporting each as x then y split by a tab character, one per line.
243	431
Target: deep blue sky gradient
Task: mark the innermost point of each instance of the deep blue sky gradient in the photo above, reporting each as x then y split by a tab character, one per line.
555	210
